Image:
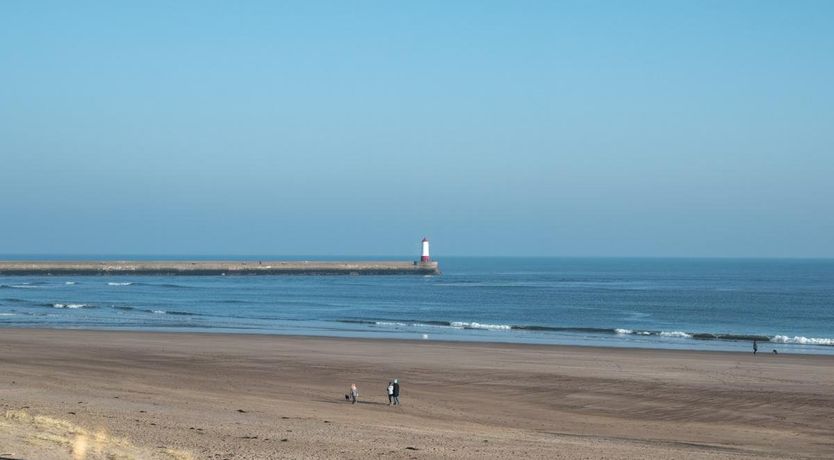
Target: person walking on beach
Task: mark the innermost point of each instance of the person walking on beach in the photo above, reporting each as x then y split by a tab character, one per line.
390	392
395	394
755	347
354	393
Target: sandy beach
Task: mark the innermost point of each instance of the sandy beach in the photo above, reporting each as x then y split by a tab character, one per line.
86	394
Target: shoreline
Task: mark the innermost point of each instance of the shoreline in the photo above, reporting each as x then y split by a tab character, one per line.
483	344
765	347
196	395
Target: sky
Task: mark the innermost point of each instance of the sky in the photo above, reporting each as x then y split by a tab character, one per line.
515	128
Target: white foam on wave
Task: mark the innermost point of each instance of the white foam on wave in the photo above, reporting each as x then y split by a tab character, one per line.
69	305
8	314
159	312
113	283
676	334
802	340
473	325
70	283
673	334
390	323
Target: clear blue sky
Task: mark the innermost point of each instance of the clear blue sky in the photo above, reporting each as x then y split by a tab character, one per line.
509	128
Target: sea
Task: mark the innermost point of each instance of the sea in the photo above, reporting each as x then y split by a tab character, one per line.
785	305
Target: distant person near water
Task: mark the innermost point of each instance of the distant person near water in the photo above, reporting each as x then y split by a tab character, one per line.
354	393
755	347
390	392
395	395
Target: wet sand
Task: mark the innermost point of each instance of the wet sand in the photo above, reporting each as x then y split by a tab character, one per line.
85	394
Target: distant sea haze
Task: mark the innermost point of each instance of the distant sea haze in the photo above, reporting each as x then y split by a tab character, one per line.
708	304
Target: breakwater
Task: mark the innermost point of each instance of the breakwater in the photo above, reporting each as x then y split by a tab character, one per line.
185	267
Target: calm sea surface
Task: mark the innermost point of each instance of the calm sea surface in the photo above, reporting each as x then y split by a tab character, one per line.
710	304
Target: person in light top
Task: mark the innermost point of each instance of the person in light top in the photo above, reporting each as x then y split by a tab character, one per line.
390	392
354	393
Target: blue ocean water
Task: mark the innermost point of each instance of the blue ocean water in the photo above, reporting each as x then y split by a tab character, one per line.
711	304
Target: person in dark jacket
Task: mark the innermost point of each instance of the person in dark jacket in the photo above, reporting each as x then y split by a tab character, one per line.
396	395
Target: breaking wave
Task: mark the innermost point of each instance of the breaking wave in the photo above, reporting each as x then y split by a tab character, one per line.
678	334
802	340
473	325
153	311
392	323
71	305
116	283
402	323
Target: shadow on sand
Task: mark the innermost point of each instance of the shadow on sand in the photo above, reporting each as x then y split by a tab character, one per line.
342	401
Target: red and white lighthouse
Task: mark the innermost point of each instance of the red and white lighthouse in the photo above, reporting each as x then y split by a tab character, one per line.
424	255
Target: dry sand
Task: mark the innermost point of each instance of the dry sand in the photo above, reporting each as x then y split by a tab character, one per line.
83	394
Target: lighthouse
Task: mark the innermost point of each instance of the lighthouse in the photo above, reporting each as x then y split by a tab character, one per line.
424	255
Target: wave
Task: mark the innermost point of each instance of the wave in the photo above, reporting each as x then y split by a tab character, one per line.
719	336
390	323
740	337
507	327
181	313
161	285
166	285
154	311
678	334
72	305
500	285
14	300
436	323
356	321
695	335
473	325
673	334
21	286
638	332
588	330
802	340
407	322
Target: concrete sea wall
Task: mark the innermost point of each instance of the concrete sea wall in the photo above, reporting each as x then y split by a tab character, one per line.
216	268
